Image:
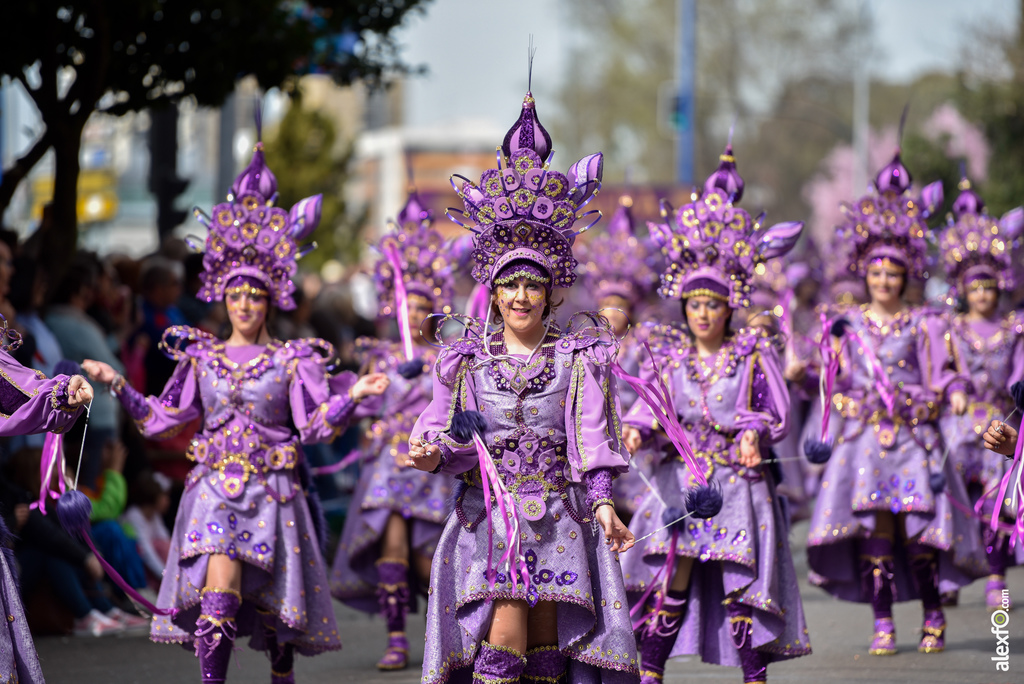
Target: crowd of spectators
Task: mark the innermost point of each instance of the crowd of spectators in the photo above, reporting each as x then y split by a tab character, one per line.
116	309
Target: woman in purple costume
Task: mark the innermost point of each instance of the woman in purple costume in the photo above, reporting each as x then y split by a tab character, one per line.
723	587
245	558
397	511
882	517
530	415
29	403
618	274
988	349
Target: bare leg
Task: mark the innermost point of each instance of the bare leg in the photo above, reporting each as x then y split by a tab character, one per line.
500	657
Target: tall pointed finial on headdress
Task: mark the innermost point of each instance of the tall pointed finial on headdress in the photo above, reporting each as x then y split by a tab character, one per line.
527	132
894	176
414	210
256	177
726	178
968	202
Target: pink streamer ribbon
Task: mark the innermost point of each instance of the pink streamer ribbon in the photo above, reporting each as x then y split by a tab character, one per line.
490	481
53	457
354	456
401	299
882	382
659	400
665	574
1005	484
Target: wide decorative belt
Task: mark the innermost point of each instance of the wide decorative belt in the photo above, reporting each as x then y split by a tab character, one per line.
530	475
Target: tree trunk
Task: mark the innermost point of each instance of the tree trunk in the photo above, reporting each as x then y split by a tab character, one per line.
59	235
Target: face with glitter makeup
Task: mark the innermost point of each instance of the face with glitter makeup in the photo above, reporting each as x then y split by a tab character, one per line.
885	282
707	317
247	310
982	301
521	304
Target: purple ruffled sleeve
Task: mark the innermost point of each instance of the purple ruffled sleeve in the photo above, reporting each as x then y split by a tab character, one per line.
939	374
592	415
320	403
31	402
765	408
164	416
453	391
599	487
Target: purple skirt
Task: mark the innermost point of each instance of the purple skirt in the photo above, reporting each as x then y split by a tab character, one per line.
568	563
384	488
863	477
18	660
270	530
742	554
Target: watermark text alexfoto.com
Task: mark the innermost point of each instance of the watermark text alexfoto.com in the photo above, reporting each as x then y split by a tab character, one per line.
1001	630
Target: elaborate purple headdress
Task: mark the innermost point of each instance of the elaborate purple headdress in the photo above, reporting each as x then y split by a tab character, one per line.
423	260
713	247
252	241
888	224
977	248
618	262
524	213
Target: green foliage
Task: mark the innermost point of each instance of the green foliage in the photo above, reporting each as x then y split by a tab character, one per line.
74	57
304	157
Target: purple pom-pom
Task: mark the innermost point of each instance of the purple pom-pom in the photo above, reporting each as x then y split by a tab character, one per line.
73	511
839	327
1017	391
704	501
937	482
671	517
465	423
411	369
817	452
67	367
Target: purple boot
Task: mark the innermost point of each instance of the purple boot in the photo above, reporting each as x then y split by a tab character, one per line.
741	622
658	635
497	664
544	665
393	595
282	658
215	632
997	549
877	573
925	569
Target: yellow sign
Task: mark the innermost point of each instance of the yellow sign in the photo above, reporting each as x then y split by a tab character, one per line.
97	196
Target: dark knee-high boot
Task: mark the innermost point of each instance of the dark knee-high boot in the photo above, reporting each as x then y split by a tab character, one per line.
393	595
282	657
876	564
925	568
741	622
215	632
658	635
544	665
497	664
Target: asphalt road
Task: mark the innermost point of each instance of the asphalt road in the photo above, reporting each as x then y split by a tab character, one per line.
840	633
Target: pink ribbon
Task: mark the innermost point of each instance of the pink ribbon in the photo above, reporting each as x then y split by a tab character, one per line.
479	303
831	370
354	456
53	457
665	573
882	382
1004	485
490	481
659	400
401	299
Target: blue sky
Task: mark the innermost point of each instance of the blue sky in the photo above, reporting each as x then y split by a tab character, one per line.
476	49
